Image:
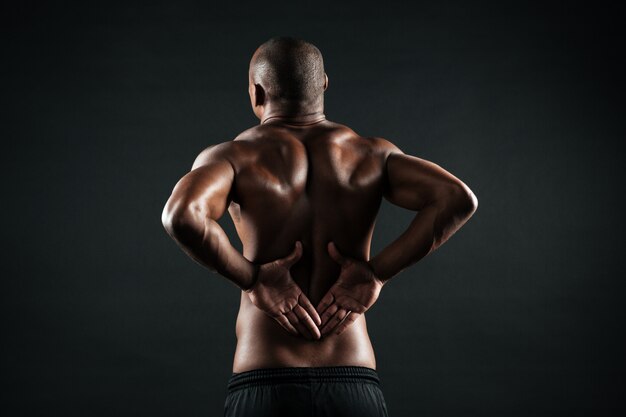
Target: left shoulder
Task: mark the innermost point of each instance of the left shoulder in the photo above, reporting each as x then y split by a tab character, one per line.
218	152
232	151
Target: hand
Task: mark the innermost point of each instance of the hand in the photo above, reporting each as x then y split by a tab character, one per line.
355	291
277	295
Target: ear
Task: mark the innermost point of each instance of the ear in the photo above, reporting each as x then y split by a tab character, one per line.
257	99
325	81
259	95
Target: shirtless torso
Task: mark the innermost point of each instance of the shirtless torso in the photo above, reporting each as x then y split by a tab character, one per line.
315	183
303	193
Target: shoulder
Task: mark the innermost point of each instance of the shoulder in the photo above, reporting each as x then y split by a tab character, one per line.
234	151
373	145
375	142
341	130
255	133
383	145
219	152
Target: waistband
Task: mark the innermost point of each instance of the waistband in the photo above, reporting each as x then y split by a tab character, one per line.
303	374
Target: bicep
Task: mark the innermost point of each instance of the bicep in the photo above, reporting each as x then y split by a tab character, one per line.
414	183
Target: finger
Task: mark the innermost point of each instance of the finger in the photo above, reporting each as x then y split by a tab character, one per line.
335	254
294	256
325	302
350	318
295	321
330	311
352	305
307	321
334	321
308	306
284	322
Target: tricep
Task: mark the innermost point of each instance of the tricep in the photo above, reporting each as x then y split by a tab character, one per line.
201	193
414	183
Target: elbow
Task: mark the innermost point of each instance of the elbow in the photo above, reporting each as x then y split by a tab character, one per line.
471	201
177	219
170	220
464	200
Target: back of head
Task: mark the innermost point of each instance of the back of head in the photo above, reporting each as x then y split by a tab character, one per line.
289	69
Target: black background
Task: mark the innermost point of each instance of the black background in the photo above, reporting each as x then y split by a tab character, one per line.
106	106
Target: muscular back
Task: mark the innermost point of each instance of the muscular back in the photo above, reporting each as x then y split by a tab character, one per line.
316	184
313	184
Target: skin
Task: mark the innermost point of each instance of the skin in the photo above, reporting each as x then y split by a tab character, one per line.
303	193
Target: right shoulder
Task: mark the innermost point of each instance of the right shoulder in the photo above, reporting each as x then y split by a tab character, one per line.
383	146
375	144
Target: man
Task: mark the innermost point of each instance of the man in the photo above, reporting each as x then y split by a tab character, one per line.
303	193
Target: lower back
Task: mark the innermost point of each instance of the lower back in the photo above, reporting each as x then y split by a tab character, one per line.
263	343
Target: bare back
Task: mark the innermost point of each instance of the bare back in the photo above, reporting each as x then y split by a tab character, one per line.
316	184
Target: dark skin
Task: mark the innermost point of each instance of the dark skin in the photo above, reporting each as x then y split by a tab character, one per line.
303	193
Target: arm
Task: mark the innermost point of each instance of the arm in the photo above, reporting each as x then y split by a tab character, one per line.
190	216
443	202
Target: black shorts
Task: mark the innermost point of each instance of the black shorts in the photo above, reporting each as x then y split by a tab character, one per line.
350	391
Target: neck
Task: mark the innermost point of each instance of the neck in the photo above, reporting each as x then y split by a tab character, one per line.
305	119
300	115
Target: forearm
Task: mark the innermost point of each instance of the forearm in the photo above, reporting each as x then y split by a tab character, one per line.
431	228
206	242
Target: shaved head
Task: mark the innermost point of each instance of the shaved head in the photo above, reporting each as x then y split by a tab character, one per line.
288	69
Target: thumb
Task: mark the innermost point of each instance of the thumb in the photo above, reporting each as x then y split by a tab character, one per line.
294	256
334	253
